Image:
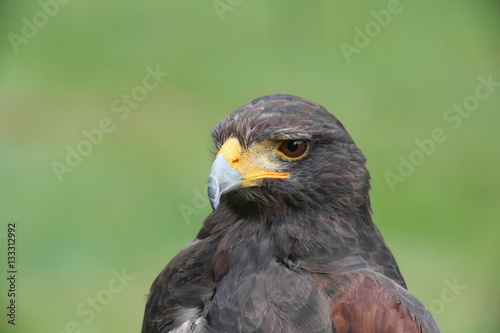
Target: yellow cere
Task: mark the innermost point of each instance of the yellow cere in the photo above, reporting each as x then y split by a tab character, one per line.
257	162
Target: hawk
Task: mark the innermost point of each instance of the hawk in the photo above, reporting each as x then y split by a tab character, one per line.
290	245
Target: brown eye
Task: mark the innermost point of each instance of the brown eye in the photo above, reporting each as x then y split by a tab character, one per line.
294	149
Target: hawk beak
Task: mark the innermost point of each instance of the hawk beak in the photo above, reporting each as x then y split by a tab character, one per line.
223	178
234	168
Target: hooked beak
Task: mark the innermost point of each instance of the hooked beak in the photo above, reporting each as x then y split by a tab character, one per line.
234	168
223	178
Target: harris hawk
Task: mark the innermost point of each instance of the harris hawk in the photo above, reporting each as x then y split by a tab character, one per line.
290	245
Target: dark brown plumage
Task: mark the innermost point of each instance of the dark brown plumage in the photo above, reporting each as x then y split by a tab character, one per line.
290	246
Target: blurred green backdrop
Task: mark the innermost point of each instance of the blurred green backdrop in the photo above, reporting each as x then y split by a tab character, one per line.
138	195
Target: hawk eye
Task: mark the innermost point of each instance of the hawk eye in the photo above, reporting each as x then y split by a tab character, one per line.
294	149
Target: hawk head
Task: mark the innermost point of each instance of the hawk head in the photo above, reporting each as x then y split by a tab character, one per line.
284	152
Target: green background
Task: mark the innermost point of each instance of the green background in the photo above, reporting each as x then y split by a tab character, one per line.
139	196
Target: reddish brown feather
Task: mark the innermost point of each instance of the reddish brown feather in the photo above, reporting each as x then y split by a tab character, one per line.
365	306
